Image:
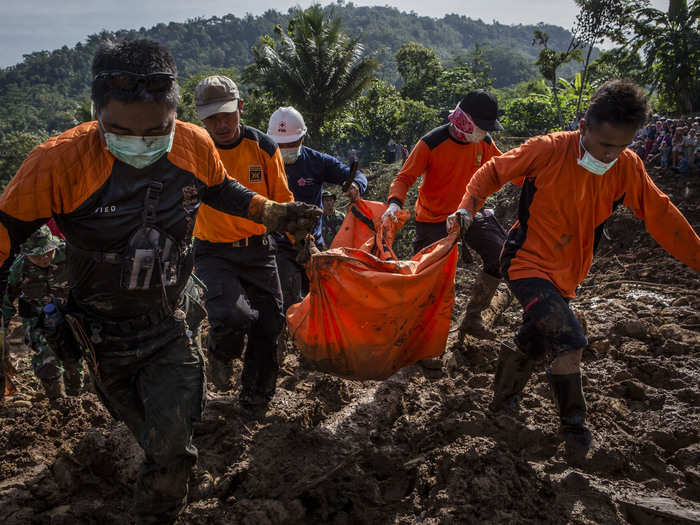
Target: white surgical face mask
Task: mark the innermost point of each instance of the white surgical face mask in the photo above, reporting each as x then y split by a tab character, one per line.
590	163
137	151
478	135
290	155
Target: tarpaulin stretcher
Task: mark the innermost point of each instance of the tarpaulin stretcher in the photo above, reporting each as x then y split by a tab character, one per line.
368	314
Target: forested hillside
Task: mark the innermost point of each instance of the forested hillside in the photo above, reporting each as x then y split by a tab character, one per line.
44	93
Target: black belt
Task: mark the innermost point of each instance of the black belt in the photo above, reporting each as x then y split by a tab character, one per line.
101	257
249	242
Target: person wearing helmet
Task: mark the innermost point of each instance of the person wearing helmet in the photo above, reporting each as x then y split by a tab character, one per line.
447	158
234	256
38	278
307	171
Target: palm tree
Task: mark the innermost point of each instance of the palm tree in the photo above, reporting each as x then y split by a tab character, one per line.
314	66
670	42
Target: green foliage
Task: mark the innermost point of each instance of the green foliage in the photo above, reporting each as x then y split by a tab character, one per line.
46	92
618	63
419	67
14	148
537	113
670	43
549	61
596	20
379	115
314	66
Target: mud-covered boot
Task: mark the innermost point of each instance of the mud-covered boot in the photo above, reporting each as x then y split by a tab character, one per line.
512	374
219	372
483	290
72	376
54	388
568	394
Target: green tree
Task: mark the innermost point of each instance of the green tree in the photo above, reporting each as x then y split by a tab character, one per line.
535	114
596	20
670	42
313	66
619	62
14	148
420	68
550	60
379	115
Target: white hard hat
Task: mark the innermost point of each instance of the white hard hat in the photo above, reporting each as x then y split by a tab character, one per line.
286	125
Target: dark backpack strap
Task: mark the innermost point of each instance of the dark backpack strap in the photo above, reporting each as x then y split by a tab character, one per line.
150	204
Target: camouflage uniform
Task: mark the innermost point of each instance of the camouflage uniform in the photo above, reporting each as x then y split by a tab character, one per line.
35	287
330	225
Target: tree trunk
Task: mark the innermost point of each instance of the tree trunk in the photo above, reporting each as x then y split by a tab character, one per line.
583	80
556	101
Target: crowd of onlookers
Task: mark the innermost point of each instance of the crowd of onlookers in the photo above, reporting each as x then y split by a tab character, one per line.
671	143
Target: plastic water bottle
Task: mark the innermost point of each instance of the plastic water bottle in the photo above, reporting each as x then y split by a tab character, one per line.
52	317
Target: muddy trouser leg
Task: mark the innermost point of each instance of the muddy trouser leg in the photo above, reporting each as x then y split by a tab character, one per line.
551	328
45	364
427	233
291	276
156	387
260	366
228	309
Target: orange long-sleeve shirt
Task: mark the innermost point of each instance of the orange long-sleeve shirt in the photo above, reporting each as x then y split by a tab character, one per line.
256	163
562	204
446	165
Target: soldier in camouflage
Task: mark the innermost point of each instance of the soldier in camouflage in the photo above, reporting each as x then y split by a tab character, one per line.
332	218
36	278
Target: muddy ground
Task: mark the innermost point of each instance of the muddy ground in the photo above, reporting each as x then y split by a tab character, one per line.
422	446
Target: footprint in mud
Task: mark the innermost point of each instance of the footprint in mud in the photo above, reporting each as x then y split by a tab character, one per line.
333	392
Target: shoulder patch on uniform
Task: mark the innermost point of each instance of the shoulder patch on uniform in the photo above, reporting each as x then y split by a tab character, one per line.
437	136
265	142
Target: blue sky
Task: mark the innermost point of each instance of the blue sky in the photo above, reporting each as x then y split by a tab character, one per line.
35	25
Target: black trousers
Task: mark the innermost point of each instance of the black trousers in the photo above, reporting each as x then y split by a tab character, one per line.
549	328
243	297
485	236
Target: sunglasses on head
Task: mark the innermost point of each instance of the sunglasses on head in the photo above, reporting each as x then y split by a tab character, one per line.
127	81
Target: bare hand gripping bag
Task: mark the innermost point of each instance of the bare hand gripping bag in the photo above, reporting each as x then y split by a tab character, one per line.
368	314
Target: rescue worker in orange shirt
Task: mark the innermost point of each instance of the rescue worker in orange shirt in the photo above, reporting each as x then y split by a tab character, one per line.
573	182
235	257
125	191
447	158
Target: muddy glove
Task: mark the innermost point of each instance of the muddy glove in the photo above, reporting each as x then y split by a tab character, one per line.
462	218
306	247
289	216
390	213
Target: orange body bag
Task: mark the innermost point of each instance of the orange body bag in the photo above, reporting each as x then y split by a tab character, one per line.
368	314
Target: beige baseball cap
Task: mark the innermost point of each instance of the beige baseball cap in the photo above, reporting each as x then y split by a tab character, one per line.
216	94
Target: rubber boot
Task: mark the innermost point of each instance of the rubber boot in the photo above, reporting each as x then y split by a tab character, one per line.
568	394
512	374
483	290
219	372
72	376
